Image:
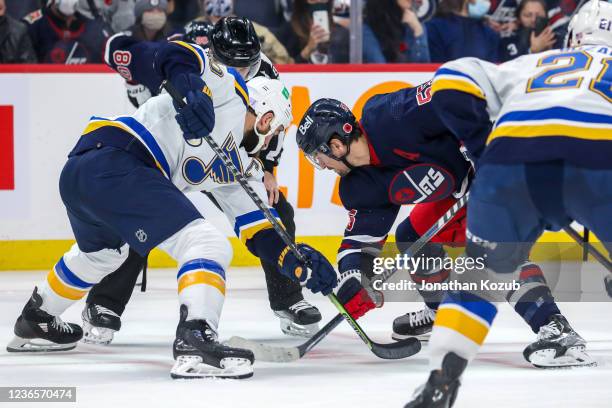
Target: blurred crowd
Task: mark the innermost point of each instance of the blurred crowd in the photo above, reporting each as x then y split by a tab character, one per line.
291	31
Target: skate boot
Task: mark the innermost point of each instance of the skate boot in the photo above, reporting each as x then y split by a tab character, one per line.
414	324
300	319
558	346
440	390
37	330
99	324
198	354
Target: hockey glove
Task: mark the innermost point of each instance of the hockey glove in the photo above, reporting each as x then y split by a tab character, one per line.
353	295
317	273
197	118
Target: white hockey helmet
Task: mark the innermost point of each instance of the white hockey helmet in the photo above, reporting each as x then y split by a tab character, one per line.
591	25
269	95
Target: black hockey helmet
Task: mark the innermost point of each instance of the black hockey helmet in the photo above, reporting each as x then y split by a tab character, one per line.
198	32
326	119
234	42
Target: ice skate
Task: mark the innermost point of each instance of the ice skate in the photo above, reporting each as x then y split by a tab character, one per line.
414	324
38	331
300	319
99	324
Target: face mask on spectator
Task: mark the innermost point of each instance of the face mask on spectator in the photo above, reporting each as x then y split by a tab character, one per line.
67	7
153	21
479	8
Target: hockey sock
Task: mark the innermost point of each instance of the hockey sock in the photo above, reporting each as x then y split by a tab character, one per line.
201	287
533	301
462	323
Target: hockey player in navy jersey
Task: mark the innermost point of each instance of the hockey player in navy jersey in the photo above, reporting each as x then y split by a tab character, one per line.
545	163
123	187
401	153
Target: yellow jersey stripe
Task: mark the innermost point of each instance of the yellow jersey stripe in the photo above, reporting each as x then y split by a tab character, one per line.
527	131
242	93
195	52
456	85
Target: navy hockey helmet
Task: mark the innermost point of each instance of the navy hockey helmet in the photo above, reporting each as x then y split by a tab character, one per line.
235	43
198	32
326	119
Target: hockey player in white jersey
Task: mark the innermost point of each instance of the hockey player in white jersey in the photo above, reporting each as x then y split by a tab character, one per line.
545	163
123	187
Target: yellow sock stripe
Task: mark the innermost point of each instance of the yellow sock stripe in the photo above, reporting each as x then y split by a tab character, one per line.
202	278
456	85
250	232
461	323
62	289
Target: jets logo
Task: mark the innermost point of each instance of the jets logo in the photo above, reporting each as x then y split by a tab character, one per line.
423	93
195	171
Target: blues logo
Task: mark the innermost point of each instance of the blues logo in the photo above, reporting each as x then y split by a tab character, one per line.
195	171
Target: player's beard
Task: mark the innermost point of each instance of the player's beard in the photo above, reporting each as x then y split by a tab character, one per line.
249	140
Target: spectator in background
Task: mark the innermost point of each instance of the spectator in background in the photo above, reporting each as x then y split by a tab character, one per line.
524	38
308	42
182	12
18	9
215	10
268	13
117	14
15	45
392	32
151	20
61	35
459	30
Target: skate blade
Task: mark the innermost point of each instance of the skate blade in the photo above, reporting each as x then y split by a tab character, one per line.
574	357
298	330
21	345
421	337
96	335
191	367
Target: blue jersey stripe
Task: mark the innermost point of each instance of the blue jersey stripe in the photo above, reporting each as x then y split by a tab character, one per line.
201	264
478	306
67	276
149	140
556	112
446	71
251	217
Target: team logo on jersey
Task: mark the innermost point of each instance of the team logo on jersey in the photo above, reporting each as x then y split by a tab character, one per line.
423	93
195	171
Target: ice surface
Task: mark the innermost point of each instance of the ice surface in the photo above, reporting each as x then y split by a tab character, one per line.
340	372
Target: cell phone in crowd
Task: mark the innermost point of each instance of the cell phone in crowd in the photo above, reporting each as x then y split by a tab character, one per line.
321	18
540	25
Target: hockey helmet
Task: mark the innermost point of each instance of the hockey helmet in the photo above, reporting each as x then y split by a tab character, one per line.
325	119
591	25
269	95
198	32
234	42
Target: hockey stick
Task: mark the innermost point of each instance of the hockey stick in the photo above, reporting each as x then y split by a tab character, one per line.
596	254
398	350
280	354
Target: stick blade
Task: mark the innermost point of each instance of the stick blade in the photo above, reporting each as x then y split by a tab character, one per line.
398	350
263	352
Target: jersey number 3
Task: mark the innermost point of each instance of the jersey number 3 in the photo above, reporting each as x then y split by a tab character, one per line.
559	66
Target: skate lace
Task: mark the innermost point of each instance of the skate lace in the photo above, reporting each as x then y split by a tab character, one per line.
206	335
301	305
105	310
549	331
422	317
61	326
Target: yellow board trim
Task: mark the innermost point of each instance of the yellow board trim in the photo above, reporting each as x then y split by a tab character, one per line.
62	289
202	278
551	130
17	254
461	323
456	85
